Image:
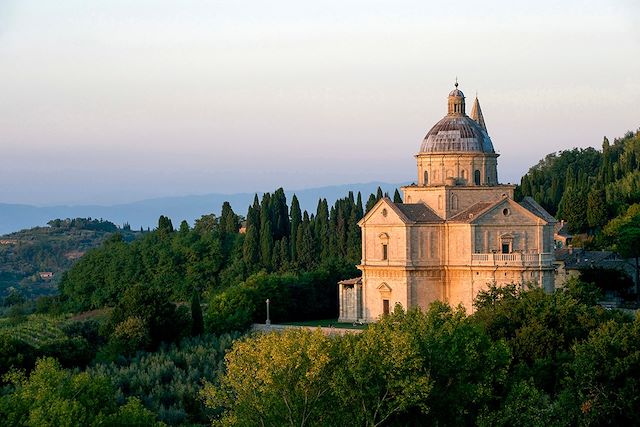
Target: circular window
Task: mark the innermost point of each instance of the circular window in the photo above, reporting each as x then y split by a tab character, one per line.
384	212
505	212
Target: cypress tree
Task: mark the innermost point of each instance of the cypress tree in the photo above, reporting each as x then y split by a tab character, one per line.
280	215
251	247
296	219
359	209
321	229
266	240
396	197
596	209
379	194
306	246
284	254
574	203
371	202
276	261
354	240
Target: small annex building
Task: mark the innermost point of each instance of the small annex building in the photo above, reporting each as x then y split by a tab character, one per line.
457	231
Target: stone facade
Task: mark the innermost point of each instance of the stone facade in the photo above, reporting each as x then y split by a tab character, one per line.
457	232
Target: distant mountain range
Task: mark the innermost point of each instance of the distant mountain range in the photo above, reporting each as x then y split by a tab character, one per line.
145	213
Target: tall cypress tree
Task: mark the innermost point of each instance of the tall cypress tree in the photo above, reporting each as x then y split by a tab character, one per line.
266	239
296	219
251	247
371	202
596	208
396	197
280	215
321	228
306	245
359	209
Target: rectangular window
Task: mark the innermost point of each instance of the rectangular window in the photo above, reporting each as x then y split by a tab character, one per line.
385	306
506	248
384	251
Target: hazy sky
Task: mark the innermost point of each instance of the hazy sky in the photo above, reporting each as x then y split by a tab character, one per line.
107	101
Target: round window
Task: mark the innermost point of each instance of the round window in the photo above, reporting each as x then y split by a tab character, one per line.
384	212
505	212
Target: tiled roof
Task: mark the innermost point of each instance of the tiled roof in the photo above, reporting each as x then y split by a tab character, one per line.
418	212
472	212
457	133
562	229
578	258
532	206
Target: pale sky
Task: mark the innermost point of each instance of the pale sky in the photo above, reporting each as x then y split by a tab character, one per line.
109	101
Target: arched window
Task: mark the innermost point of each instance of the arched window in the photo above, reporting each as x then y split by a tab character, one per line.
464	174
439	202
426	178
454	202
476	177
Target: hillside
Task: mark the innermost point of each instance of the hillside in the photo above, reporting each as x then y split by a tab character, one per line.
32	259
587	187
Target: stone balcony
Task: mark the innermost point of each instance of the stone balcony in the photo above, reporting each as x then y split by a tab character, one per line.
515	259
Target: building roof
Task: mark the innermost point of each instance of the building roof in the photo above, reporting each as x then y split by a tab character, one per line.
418	212
562	229
578	258
532	206
458	134
473	211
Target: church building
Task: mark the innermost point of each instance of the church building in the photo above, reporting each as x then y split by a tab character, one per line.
457	231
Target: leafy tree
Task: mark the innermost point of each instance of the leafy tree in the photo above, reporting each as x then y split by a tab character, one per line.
197	321
606	375
229	221
51	396
382	373
206	224
153	309
275	379
623	233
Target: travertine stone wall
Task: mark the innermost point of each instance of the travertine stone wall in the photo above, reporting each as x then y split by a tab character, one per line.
448	201
459	166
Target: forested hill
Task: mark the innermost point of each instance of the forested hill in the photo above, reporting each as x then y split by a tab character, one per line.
31	260
215	257
587	187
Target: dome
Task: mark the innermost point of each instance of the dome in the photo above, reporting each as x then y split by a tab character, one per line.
457	133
